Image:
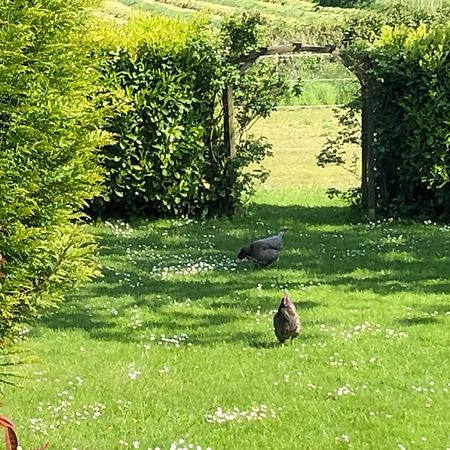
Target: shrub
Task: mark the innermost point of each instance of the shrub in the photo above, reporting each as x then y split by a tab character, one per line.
408	61
49	132
170	157
412	147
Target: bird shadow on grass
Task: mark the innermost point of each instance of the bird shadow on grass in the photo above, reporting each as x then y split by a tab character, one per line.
264	344
273	344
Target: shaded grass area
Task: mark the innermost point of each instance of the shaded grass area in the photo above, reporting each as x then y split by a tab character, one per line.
176	329
175	341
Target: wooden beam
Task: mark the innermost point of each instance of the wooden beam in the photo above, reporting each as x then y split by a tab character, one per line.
368	168
345	61
228	120
246	61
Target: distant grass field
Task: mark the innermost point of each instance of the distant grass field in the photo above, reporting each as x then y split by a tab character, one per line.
173	347
297	136
291	11
326	82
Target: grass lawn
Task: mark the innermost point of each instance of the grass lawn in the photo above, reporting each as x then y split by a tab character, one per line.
174	345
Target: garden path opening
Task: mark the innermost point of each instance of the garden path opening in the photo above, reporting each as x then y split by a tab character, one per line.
300	127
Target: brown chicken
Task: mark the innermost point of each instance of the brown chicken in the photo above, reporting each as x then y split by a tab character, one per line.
286	321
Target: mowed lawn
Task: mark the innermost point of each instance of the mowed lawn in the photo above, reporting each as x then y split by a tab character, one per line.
174	348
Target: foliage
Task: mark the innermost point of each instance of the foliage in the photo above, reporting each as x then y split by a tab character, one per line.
170	157
406	54
332	152
314	33
367	25
414	97
49	132
243	33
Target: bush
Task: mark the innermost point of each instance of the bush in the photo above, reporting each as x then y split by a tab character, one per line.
412	147
170	157
408	61
49	132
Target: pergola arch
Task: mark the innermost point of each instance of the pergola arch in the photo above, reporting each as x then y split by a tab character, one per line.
367	120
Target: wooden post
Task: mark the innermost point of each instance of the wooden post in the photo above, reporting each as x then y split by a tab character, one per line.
368	171
228	121
364	115
229	132
367	129
371	198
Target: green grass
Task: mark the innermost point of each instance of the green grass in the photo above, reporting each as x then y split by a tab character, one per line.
324	80
297	136
159	8
330	92
176	329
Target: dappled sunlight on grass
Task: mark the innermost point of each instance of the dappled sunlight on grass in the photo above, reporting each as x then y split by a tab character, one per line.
198	346
173	347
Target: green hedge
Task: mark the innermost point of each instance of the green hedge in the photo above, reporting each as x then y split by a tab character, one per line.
49	132
412	147
406	52
167	77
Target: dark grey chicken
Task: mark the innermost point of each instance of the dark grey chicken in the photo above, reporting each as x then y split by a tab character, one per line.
263	251
286	321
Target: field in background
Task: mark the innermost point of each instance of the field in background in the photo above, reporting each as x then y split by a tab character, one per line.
173	347
326	82
289	11
297	136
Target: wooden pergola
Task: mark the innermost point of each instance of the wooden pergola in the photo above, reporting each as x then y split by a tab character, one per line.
367	118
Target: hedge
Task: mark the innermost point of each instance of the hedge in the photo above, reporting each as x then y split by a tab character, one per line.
405	51
167	77
49	133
